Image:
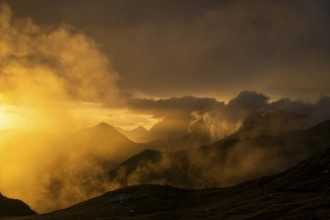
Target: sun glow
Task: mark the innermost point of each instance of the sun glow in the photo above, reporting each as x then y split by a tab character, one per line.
89	114
13	117
7	118
83	114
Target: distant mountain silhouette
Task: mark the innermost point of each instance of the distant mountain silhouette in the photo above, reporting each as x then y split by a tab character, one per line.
301	192
83	165
104	138
173	134
14	207
271	123
176	133
229	161
136	134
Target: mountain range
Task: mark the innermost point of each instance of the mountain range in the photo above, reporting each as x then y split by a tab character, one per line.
137	134
100	156
63	169
229	161
107	142
301	192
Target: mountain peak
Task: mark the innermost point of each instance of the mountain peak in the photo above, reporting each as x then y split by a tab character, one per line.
140	129
104	128
135	134
271	123
103	125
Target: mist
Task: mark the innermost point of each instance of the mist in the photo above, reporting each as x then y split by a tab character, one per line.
45	73
249	137
217	119
48	71
56	80
242	156
205	48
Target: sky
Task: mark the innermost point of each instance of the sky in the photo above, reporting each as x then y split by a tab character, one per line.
149	50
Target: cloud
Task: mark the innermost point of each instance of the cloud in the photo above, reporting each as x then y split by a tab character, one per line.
217	119
46	69
269	142
218	48
164	107
45	75
166	49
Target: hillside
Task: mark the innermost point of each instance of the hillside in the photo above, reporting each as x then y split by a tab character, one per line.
137	134
226	162
301	192
79	170
176	133
56	171
271	123
107	142
14	207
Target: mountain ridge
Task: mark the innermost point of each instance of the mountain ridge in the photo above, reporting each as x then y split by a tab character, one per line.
14	207
137	134
236	159
270	197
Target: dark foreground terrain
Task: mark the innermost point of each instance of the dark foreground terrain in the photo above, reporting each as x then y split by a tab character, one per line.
301	192
16	207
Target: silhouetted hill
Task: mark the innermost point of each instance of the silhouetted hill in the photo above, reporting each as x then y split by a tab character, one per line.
80	169
14	207
106	140
187	141
136	134
105	130
301	192
63	168
176	133
226	162
271	123
311	175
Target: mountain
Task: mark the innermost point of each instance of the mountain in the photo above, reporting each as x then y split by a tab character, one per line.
176	133
14	207
107	142
271	123
227	162
301	192
136	134
78	170
64	168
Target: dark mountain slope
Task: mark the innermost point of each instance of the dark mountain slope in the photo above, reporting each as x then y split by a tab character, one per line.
311	175
80	169
107	142
227	162
176	133
14	207
302	192
271	123
136	134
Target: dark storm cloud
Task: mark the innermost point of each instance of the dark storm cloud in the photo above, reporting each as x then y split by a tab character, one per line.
164	107
220	119
170	48
246	101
